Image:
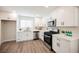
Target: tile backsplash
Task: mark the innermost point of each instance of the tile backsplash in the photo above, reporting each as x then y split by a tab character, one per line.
74	30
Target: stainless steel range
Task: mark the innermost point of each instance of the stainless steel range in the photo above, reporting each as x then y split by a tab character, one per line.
48	37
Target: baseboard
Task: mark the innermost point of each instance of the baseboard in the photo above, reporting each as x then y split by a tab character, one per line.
6	41
20	40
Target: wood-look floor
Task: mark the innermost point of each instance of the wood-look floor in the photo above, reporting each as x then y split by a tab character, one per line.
34	46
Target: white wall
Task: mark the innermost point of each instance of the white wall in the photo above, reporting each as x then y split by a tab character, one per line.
40	21
8	31
7	16
74	30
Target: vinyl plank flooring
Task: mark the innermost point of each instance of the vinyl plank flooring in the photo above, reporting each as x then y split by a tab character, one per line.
33	46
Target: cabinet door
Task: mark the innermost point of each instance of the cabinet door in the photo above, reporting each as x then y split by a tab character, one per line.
64	46
19	36
22	36
41	35
30	35
25	36
56	44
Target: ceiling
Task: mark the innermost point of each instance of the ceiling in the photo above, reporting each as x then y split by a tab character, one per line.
29	10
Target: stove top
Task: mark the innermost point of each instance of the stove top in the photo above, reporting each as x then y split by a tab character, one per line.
51	32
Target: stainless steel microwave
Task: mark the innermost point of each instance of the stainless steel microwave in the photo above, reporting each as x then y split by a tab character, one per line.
52	23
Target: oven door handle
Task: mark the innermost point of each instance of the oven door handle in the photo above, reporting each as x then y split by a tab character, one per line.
46	36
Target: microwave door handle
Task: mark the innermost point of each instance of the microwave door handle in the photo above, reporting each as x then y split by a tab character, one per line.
55	22
52	22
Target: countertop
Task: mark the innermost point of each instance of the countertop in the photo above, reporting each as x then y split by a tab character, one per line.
73	37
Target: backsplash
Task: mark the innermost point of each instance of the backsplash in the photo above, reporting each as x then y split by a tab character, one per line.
74	30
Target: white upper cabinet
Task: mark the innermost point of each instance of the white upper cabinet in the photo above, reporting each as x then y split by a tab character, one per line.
66	16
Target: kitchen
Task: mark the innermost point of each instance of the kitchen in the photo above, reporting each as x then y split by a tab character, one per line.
56	26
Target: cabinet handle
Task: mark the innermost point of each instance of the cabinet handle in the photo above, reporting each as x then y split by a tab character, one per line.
58	39
58	44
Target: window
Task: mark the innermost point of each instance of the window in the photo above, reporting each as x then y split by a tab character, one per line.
26	23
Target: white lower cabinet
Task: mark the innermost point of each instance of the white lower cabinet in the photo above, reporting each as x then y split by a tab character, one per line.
41	35
24	36
56	44
62	45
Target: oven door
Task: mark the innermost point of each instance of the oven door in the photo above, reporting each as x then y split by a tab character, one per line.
47	39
